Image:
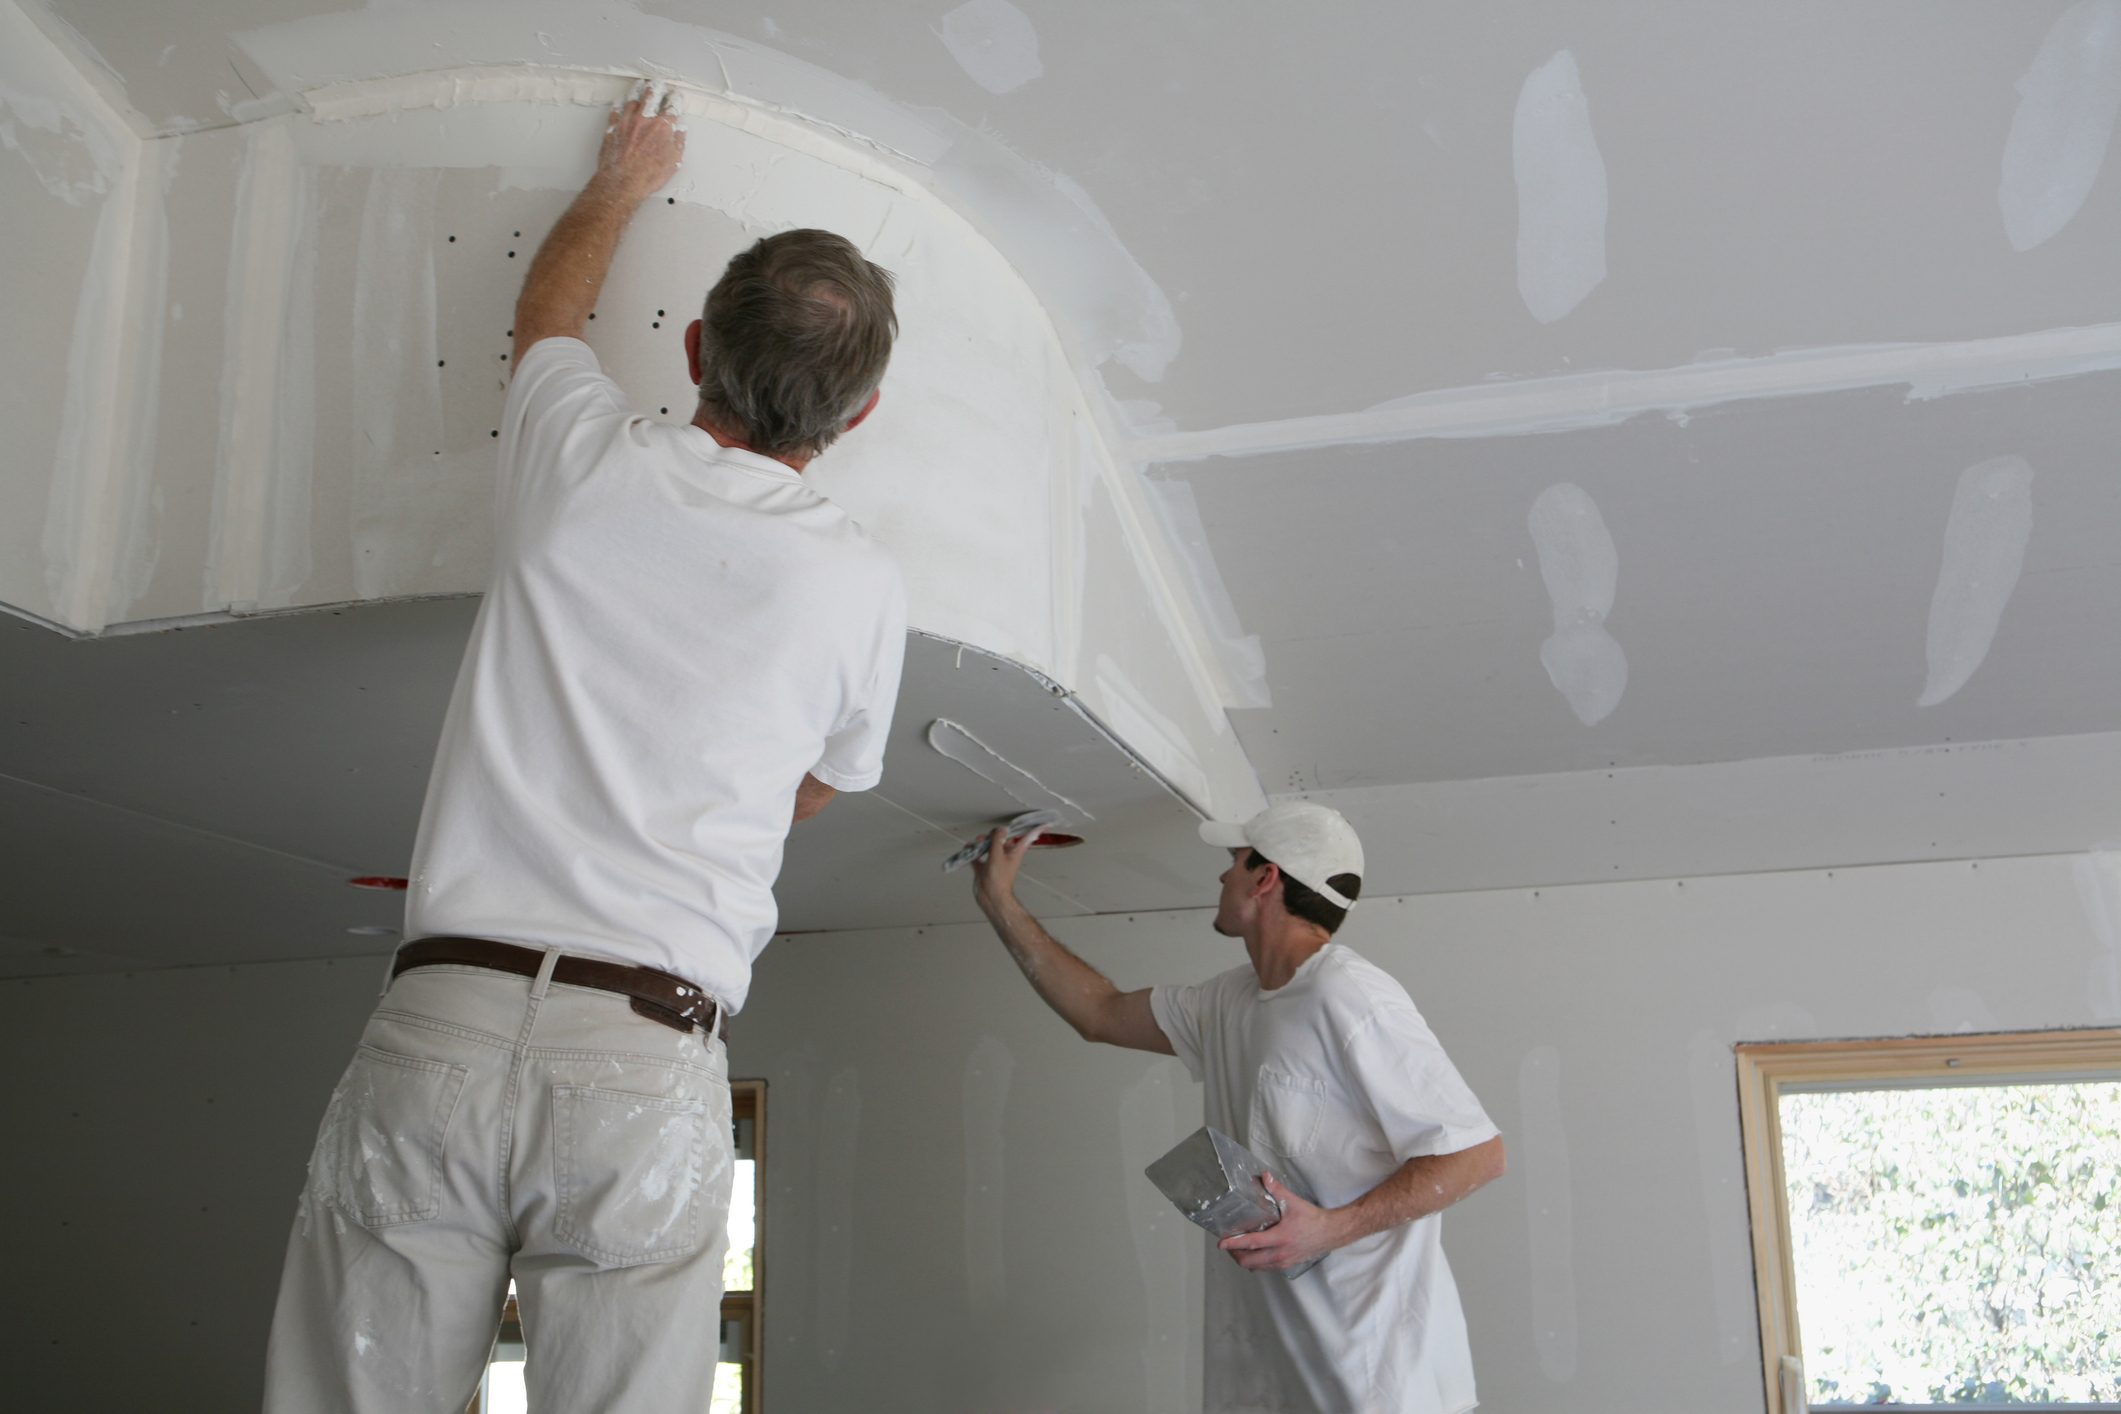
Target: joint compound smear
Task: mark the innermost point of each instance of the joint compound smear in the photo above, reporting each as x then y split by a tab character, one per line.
1581	569
994	42
1561	192
984	761
1984	548
2067	103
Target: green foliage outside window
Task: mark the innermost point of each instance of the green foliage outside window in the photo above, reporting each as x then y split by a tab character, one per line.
1958	1244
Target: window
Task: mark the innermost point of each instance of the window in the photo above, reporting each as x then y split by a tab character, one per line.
736	1374
736	1378
1937	1221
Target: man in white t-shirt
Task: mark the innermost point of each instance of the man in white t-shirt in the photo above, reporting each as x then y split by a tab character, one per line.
682	651
1317	1061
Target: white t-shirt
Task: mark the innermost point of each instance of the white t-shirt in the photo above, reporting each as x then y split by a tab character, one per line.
1335	1081
675	632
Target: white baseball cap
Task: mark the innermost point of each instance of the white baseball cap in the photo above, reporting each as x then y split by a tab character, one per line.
1310	842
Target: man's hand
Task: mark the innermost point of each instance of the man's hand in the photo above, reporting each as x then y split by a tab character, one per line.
641	151
1305	1231
994	878
642	146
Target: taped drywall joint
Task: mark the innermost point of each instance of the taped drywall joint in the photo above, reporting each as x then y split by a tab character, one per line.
985	762
1575	401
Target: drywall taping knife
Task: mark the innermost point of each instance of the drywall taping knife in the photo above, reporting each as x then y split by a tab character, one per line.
1022	825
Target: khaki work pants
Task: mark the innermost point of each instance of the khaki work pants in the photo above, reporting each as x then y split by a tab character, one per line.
493	1126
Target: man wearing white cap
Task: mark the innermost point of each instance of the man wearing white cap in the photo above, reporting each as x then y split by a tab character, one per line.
1317	1061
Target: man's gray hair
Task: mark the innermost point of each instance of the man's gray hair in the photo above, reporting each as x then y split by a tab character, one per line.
794	339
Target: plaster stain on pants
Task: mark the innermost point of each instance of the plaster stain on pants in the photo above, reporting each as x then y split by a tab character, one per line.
2067	103
1581	569
1984	548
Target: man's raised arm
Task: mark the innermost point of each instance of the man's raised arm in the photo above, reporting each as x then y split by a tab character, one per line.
1084	997
640	154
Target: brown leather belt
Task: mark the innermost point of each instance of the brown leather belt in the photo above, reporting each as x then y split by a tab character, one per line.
656	995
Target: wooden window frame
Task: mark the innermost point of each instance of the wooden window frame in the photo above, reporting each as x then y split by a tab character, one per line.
747	1099
1764	1069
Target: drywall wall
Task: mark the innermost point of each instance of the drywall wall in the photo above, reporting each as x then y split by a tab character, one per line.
955	1216
1594	1022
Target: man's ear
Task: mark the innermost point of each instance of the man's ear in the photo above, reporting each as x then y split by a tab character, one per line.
1269	876
692	350
867	408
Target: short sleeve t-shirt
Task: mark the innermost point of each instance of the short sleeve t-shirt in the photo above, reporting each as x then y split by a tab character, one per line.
675	633
1335	1081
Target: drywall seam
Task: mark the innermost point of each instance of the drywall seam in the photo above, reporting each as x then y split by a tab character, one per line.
341	870
838	1156
1549	1213
988	1071
1712	1076
1574	401
990	765
97	414
1239	654
1984	550
132	545
260	259
2098	880
82	59
2068	100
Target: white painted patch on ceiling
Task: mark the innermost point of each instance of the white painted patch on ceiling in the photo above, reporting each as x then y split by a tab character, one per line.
994	42
1984	549
1561	192
2066	109
985	762
1582	571
1549	1213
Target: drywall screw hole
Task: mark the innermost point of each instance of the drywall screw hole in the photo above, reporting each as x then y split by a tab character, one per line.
511	255
452	240
655	323
671	199
495	433
666	410
519	235
441	363
659	314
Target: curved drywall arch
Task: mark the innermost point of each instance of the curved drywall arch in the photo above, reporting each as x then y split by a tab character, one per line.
375	244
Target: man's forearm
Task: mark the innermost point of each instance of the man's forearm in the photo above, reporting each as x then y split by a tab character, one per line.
1077	991
1420	1187
568	274
641	151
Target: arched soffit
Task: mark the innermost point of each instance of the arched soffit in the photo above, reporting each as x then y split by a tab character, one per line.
976	464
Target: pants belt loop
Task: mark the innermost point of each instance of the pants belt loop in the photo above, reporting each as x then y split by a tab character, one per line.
552	960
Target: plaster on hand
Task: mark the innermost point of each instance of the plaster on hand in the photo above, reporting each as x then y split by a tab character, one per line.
1582	570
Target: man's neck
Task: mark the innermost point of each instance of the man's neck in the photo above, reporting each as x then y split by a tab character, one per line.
792	461
1280	949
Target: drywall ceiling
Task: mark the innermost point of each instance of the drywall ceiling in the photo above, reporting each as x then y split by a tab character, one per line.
1350	208
204	795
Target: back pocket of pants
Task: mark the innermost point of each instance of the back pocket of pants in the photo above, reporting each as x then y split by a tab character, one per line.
379	1150
630	1169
